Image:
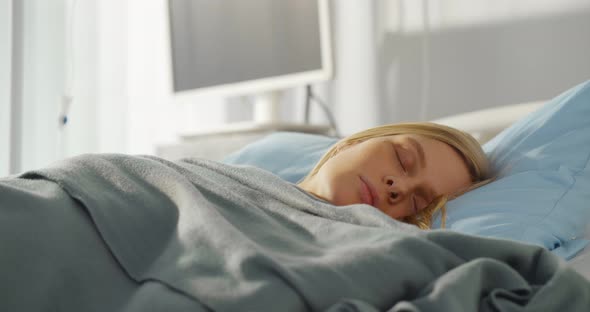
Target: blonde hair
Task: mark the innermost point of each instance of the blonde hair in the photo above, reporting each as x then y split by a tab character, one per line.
469	149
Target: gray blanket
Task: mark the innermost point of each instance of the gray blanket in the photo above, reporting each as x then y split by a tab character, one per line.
124	233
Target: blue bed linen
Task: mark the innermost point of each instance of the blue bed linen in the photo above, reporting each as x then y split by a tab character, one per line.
230	238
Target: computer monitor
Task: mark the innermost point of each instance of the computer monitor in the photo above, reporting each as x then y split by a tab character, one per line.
253	47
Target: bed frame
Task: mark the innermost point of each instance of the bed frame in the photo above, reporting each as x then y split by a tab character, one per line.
486	123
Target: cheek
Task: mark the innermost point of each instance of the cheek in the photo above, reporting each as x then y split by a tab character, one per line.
331	185
343	191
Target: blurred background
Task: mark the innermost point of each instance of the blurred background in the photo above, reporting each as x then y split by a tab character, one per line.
105	66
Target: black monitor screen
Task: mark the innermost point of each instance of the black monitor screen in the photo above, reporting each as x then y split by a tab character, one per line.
216	42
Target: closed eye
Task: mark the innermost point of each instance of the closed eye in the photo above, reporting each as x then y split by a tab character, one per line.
399	160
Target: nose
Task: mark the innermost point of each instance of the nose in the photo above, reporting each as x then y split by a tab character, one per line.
396	187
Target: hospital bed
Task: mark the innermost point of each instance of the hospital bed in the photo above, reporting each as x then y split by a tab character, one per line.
113	232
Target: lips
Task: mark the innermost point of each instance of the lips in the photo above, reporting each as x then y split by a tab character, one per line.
368	193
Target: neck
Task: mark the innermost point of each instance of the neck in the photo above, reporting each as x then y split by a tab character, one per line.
309	187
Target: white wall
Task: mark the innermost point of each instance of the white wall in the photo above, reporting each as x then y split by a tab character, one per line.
5	76
479	54
476	54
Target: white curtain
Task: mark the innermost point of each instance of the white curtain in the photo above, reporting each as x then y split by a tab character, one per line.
37	82
5	84
67	48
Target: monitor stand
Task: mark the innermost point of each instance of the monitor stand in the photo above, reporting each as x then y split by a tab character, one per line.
266	120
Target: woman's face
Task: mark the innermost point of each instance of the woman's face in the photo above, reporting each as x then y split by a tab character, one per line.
399	174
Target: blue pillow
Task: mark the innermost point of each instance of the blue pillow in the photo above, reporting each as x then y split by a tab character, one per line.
290	155
542	191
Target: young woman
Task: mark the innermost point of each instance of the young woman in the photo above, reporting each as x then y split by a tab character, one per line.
407	170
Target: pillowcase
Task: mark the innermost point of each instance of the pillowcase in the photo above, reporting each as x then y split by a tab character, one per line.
542	191
290	155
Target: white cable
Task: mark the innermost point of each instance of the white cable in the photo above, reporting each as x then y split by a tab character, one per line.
425	90
67	96
69	60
